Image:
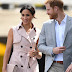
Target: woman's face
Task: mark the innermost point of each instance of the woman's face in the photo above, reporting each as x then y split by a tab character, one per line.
26	17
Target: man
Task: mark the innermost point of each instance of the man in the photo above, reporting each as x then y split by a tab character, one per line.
55	39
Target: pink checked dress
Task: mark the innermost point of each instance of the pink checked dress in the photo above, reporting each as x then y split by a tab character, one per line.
22	44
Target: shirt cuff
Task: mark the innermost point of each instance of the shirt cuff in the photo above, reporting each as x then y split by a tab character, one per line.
52	54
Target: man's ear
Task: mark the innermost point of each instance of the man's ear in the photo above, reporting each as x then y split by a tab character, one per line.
56	8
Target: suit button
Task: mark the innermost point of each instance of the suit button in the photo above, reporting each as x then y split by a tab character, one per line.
21	65
21	46
30	47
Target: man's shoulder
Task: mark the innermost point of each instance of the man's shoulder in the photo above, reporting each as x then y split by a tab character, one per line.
69	17
49	21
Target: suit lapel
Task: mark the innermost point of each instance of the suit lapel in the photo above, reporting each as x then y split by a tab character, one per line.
53	32
67	28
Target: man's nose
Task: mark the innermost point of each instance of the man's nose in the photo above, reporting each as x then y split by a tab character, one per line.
47	12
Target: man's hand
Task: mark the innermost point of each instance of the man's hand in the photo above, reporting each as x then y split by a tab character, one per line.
58	50
69	69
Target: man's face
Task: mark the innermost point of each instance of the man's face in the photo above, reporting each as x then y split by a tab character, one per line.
51	12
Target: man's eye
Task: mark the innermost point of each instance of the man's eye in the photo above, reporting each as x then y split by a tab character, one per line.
22	14
27	15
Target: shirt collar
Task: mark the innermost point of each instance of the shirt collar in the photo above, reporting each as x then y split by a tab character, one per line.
64	20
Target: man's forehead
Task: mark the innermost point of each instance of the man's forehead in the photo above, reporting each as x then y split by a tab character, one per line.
48	6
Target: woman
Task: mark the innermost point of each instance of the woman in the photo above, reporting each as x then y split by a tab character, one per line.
24	38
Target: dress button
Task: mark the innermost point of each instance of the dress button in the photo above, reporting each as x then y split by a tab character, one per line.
21	46
16	65
35	29
30	57
33	38
19	26
30	47
21	65
21	56
29	66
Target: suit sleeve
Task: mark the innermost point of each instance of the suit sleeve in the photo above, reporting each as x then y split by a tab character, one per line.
42	46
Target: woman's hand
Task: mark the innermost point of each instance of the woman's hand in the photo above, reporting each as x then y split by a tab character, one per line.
33	53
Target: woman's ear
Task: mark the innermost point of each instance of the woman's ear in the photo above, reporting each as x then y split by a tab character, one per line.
34	16
21	18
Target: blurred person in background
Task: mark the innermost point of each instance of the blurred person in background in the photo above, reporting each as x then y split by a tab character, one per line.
55	39
24	38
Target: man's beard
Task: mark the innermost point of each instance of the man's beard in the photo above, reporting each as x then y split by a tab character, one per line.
53	16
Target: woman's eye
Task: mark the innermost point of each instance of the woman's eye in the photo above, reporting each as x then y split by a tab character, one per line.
27	15
22	14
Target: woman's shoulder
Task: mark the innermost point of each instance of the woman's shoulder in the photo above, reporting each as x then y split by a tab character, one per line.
11	30
38	29
10	33
17	26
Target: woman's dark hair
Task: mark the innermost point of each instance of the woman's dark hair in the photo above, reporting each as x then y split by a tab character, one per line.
28	7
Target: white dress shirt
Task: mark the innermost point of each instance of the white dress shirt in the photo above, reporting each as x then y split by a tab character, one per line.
60	29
